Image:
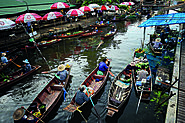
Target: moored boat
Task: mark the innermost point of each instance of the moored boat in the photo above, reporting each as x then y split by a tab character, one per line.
119	92
100	25
47	100
42	44
9	80
73	35
89	82
90	34
109	34
144	86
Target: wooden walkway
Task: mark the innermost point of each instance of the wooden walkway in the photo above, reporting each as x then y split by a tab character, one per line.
181	99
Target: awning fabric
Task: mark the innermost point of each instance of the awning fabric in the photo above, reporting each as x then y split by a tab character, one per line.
167	19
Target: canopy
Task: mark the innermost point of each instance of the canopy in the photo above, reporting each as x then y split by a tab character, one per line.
6	24
167	19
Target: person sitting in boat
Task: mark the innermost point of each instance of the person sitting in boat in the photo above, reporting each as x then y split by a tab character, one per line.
101	22
103	65
142	74
112	29
81	97
26	67
4	59
62	73
96	29
157	43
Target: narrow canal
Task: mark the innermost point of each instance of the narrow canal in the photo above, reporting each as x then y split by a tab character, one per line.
84	56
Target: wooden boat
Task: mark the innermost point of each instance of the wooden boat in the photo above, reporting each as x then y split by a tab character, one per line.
42	44
108	35
73	35
8	80
100	25
89	82
119	92
90	34
9	63
145	85
156	51
48	98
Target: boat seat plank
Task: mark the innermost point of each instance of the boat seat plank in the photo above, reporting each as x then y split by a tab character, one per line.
98	76
57	87
111	108
70	108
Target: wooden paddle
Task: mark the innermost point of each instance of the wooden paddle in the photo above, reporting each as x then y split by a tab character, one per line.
15	64
139	100
45	72
32	114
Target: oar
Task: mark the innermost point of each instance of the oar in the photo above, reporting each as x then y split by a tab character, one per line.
99	45
15	64
139	100
32	114
93	105
48	72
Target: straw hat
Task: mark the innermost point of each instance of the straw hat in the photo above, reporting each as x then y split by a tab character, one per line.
18	114
61	67
3	54
132	63
158	40
26	61
51	30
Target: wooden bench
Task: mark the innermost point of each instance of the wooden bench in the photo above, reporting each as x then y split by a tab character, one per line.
57	87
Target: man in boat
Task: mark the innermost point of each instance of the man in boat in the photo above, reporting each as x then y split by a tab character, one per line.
112	29
4	59
81	97
26	67
142	74
62	73
103	66
157	43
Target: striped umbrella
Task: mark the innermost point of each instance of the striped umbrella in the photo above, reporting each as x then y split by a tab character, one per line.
104	7
28	17
113	8
52	15
6	24
94	6
59	5
74	12
86	9
127	3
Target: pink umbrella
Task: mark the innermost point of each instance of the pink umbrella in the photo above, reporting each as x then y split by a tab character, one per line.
104	7
74	12
52	15
59	5
113	8
127	3
6	24
86	9
28	17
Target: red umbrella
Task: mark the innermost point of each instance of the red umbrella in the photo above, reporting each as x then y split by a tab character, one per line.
113	8
28	17
52	15
6	24
104	7
59	5
127	3
86	9
74	12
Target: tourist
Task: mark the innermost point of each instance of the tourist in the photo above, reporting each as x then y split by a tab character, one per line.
103	65
4	59
26	67
81	97
62	73
142	74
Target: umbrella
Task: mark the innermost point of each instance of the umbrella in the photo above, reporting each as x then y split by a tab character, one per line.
52	15
94	6
104	7
127	3
59	5
28	17
113	8
86	9
74	12
6	24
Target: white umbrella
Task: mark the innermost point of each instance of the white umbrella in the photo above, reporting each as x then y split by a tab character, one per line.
6	24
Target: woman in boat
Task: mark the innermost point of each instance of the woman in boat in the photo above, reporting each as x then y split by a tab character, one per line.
26	67
4	59
62	73
81	97
142	74
103	65
157	43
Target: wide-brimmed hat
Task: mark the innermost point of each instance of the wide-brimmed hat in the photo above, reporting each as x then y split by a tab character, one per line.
132	63
26	61
3	54
158	40
61	67
18	114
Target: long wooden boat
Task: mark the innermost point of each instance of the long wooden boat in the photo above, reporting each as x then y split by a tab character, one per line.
108	35
89	82
48	98
157	51
100	25
119	92
90	34
73	35
145	85
117	20
9	63
42	44
9	80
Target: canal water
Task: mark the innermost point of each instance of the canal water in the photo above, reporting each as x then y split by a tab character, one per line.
84	56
